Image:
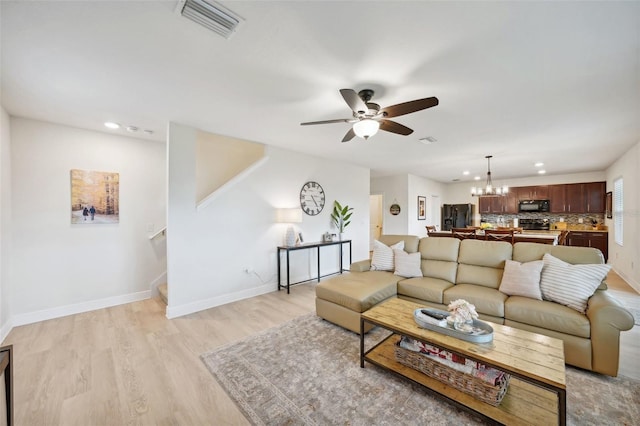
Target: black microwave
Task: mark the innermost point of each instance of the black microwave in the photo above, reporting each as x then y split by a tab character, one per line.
533	206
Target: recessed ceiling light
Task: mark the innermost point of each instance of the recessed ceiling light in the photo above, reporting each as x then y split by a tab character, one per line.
476	178
132	129
148	132
112	125
541	172
466	172
539	164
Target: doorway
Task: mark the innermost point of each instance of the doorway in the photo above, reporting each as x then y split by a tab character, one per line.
436	211
375	218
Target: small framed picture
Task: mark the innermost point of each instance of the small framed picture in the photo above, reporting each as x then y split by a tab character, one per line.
422	207
609	205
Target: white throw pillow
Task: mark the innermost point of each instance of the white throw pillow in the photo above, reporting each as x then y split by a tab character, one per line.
407	264
570	285
522	279
382	259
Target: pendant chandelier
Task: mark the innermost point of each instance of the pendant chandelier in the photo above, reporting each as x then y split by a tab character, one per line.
489	189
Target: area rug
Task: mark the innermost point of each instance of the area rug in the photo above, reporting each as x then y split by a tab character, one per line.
307	372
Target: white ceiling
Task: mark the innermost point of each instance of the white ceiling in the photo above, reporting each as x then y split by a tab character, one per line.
557	82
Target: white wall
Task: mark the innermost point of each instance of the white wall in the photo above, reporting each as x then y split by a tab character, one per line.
394	191
208	249
626	258
59	268
404	190
5	222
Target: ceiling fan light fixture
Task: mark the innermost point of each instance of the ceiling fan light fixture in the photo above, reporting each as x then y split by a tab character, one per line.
366	128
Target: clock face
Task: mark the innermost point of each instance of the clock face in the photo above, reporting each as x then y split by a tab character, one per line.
312	198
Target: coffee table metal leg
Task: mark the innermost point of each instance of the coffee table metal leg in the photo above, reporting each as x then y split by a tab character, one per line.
361	343
562	407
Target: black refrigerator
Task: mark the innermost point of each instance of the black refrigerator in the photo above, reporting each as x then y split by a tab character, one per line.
456	216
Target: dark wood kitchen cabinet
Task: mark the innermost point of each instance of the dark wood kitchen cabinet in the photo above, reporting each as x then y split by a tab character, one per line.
574	198
510	203
557	198
599	240
539	192
594	194
585	197
490	204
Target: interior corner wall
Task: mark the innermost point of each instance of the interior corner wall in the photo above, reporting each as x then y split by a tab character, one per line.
625	259
59	268
394	191
209	249
431	190
5	222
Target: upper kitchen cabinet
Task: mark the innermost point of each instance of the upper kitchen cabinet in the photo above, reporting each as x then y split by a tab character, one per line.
540	192
582	198
510	202
557	198
491	204
594	194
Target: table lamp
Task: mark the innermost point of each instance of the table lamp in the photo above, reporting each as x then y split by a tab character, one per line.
289	216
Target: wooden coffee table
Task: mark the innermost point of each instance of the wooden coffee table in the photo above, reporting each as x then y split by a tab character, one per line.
537	390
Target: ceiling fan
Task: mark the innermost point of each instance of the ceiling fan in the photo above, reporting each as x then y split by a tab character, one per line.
368	117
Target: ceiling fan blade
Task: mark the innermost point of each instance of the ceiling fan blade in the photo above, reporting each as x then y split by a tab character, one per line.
409	107
393	127
354	101
350	135
338	120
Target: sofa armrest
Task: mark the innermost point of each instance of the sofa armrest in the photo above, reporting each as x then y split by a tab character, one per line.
608	318
361	266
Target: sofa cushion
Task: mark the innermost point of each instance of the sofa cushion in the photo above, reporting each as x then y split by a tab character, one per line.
522	279
410	241
358	291
382	259
570	285
482	262
487	300
547	315
439	257
425	288
527	252
406	264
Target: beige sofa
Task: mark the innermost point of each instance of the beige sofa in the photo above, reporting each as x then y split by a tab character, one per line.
472	270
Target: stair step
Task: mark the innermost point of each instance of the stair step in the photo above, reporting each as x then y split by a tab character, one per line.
162	289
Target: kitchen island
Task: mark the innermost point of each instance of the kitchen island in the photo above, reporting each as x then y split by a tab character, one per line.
542	237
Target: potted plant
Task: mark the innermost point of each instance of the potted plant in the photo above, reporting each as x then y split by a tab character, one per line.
341	216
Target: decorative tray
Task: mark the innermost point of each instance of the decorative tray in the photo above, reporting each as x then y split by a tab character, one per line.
436	320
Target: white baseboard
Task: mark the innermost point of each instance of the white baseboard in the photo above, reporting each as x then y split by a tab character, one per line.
77	308
634	284
155	283
201	305
5	330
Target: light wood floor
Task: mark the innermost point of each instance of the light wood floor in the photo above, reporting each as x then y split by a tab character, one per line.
130	365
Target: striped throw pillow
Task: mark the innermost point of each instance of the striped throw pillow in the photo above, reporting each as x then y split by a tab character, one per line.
382	259
570	285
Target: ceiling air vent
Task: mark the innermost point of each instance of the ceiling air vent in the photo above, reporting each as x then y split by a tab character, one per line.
211	15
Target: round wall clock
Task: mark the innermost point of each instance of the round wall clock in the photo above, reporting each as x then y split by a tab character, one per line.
312	198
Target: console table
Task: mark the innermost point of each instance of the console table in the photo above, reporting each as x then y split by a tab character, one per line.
309	246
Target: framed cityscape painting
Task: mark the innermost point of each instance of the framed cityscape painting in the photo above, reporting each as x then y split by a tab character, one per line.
95	197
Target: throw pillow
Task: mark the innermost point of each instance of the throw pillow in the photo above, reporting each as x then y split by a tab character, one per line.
522	279
407	264
382	259
570	285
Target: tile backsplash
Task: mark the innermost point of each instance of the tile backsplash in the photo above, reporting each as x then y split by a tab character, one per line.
569	218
